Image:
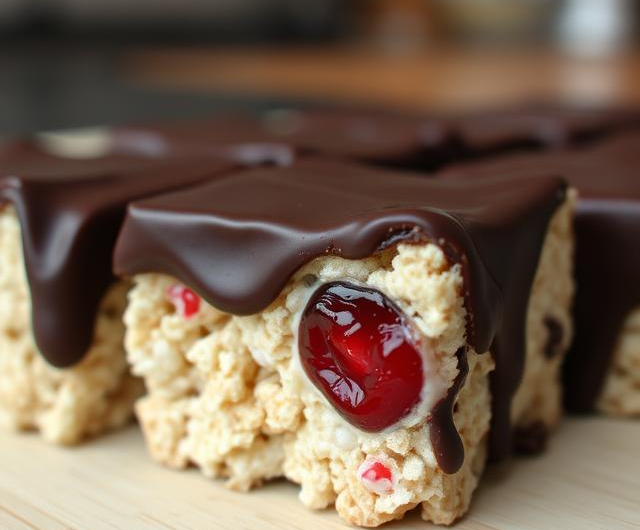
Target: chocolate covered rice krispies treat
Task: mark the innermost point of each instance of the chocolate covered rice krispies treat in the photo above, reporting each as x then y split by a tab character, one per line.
603	368
64	405
374	336
63	367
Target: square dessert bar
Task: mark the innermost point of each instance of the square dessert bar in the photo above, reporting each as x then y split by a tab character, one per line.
371	335
603	367
62	363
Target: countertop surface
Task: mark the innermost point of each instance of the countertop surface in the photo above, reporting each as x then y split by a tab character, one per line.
588	479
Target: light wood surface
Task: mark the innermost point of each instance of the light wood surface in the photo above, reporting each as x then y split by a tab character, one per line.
588	479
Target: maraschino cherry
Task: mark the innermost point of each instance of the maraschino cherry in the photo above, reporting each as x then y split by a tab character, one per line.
357	348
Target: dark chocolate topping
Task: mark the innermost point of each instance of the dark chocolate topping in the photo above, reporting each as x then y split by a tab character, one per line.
379	137
383	138
236	137
607	177
70	212
375	137
548	126
238	240
445	440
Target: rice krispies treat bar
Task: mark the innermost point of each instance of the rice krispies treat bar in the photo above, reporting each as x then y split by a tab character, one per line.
228	394
602	371
60	301
65	405
225	389
537	406
621	393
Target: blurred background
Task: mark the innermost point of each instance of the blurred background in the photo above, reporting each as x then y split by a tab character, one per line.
66	63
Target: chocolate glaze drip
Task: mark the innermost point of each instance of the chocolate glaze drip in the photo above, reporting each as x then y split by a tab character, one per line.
238	240
70	212
445	440
608	247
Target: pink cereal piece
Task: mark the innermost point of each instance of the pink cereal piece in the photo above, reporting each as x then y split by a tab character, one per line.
186	302
376	476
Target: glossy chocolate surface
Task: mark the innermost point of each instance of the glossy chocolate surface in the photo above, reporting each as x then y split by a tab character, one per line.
238	240
540	126
70	212
607	177
382	138
236	137
445	440
374	137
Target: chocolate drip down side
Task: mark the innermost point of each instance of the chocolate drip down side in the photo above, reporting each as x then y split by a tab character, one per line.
239	249
445	439
607	248
70	212
607	265
67	267
381	138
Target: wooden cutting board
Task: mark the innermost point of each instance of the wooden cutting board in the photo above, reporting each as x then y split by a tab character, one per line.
588	479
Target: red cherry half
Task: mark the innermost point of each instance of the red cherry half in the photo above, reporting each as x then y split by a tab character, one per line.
356	347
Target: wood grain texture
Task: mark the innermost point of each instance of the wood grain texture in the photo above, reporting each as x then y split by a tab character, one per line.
588	479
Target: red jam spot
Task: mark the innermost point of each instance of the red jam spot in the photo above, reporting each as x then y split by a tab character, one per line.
377	471
357	349
186	302
376	476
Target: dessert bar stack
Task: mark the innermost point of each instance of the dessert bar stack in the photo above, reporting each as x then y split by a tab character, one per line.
373	306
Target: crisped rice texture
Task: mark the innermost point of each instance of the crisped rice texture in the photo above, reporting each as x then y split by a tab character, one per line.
65	405
621	393
538	401
227	393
